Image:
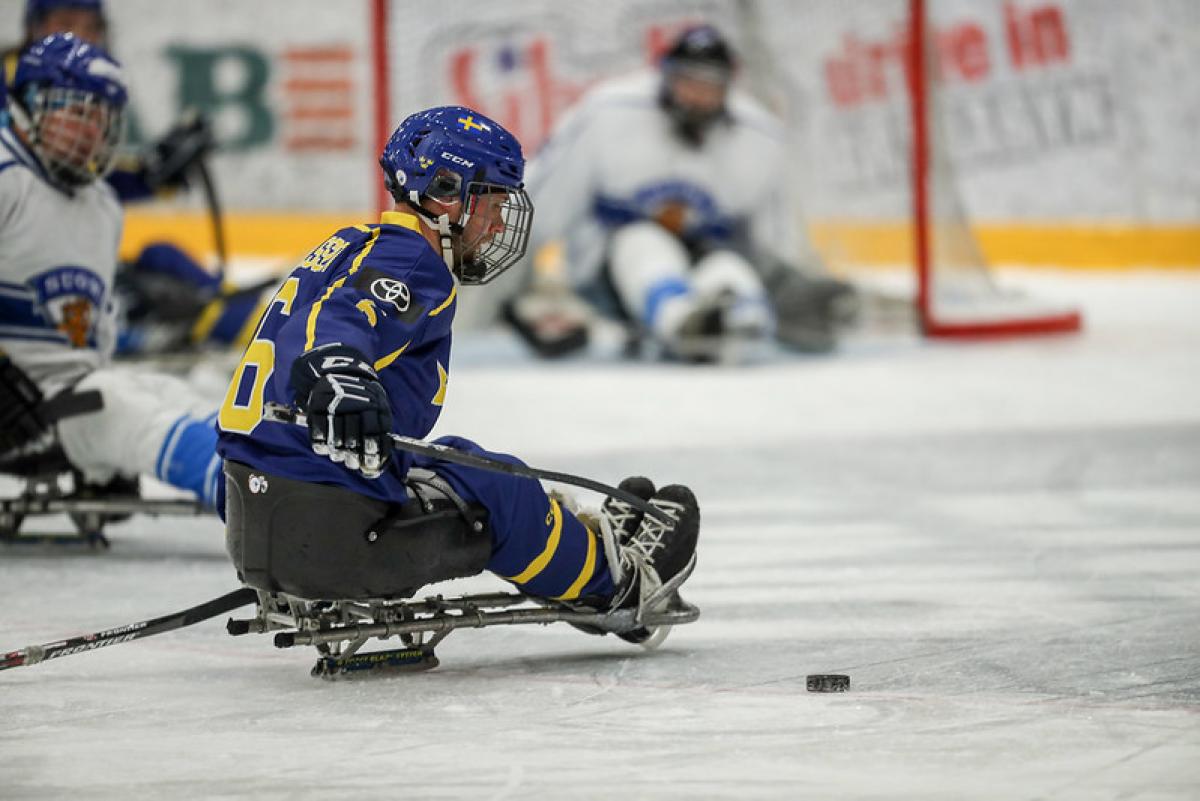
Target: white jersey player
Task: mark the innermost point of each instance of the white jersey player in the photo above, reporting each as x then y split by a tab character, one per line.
59	228
669	189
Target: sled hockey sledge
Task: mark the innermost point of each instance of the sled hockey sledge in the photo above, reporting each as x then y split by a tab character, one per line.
89	509
49	483
339	629
334	569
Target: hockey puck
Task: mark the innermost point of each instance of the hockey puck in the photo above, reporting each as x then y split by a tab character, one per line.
828	683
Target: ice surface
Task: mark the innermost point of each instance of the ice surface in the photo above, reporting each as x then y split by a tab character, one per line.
999	543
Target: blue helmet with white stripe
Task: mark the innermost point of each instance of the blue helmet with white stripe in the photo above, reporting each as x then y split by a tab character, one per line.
68	102
453	154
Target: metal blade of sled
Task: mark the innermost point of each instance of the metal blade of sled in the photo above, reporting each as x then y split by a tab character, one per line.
104	506
618	621
403	660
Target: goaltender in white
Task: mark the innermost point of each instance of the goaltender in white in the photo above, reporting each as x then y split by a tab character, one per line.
669	191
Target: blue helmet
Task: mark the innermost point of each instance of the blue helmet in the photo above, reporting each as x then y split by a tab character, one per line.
36	10
91	25
68	103
453	154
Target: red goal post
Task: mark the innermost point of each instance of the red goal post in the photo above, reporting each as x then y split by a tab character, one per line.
991	313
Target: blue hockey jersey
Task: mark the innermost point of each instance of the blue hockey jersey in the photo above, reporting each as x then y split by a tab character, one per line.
381	289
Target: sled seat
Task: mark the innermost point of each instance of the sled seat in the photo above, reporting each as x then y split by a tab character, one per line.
321	542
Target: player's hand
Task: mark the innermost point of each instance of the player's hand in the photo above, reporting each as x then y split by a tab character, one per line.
349	414
167	162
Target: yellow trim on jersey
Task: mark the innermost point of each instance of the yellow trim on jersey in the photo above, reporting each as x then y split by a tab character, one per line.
543	559
391	357
310	327
448	301
401	219
585	575
439	397
368	308
362	254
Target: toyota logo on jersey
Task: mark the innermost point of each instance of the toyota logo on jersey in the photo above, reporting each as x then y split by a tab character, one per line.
389	290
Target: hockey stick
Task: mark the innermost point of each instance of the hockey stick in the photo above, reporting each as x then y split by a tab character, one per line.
283	414
214	212
32	654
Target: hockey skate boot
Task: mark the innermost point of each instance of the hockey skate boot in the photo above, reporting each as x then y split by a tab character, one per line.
622	517
657	559
616	522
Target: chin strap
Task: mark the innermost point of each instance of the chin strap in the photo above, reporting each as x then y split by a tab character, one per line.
446	230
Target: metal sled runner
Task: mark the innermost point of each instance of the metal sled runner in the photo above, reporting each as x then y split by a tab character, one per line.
89	510
339	629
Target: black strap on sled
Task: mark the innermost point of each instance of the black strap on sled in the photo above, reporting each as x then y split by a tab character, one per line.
71	404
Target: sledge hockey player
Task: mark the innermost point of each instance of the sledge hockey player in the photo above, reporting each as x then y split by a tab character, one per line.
163	166
59	227
668	194
163	291
358	338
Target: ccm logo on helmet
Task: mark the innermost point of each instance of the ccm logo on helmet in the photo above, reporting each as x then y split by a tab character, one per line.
389	290
470	165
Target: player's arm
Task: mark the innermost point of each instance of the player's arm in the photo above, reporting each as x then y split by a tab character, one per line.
164	166
329	353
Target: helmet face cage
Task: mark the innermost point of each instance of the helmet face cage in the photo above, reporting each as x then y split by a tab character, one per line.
75	133
453	154
700	56
499	238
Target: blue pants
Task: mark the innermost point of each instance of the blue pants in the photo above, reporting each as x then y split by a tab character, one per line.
536	544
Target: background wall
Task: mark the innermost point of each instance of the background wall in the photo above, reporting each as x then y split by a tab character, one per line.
1071	120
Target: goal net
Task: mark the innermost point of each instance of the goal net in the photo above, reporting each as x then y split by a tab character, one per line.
873	94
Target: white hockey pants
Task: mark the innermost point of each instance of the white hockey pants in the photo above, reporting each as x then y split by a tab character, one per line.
150	424
658	285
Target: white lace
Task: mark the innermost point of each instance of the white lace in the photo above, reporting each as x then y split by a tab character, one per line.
650	535
637	555
620	515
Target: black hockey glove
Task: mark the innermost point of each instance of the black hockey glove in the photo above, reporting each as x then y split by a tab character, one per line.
21	421
349	416
167	162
